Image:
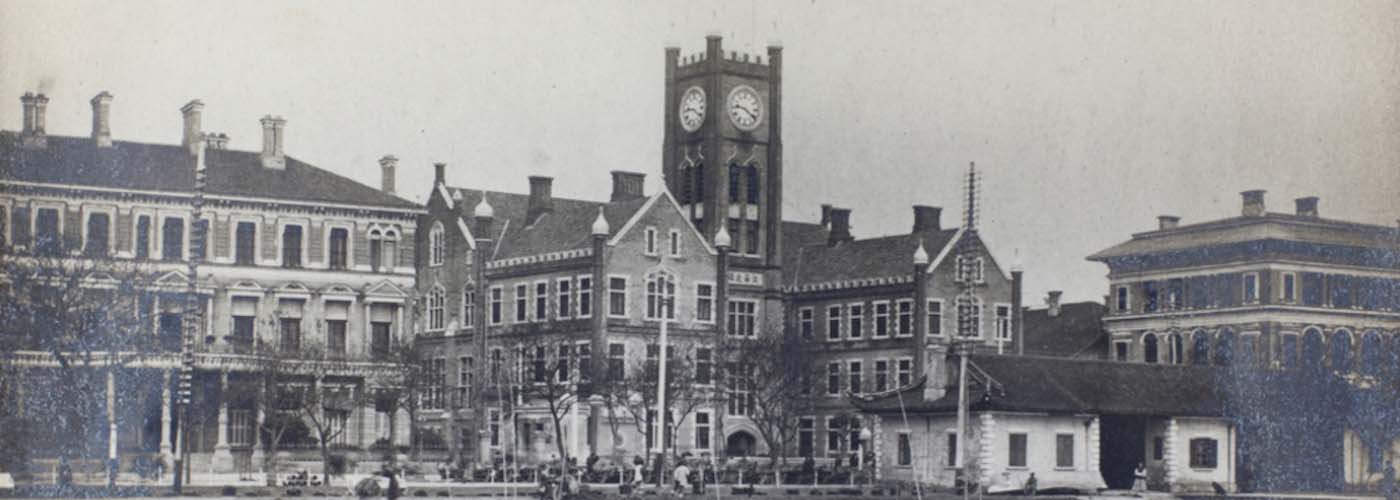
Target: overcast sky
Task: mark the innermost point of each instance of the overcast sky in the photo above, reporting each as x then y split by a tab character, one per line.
1088	119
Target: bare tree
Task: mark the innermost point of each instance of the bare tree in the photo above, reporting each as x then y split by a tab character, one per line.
552	377
687	389
775	376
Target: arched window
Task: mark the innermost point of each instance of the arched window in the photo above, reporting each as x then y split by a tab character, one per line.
437	245
1176	349
1225	348
1312	348
735	173
699	182
1339	352
1200	347
661	295
752	172
383	249
1149	348
1372	354
436	299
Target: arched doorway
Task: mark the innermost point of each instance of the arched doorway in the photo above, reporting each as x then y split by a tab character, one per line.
740	444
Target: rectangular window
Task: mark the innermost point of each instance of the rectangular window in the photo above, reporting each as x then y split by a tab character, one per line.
1149	296
741	383
833	379
538	372
469	307
1120	301
806	434
833	323
857	316
855	370
565	291
935	317
379	332
1016	447
496	299
143	237
751	242
290	334
339	248
335	336
743	318
705	302
1251	288
704	366
651	241
585	360
585	297
804	322
853	439
617	361
904	452
953	450
1064	451
1159	447
882	320
564	353
905	323
172	242
1203	453
98	229
617	297
244	247
1288	291
240	430
522	303
541	301
675	243
702	430
493	419
905	370
465	367
48	239
1120	351
1003	322
882	375
291	246
833	437
1176	294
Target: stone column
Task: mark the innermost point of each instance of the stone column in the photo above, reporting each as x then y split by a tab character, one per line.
166	424
1171	450
111	418
223	459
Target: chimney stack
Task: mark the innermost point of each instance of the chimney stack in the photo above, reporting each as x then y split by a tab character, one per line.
192	112
541	200
101	114
439	174
1307	206
216	141
627	185
272	156
32	134
840	226
926	218
826	214
1253	203
1052	301
388	165
1167	221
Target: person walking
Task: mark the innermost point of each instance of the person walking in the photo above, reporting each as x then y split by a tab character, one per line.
682	478
1140	478
393	491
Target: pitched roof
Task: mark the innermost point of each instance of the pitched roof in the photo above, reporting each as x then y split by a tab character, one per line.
1067	386
1076	332
159	167
887	256
1276	226
569	226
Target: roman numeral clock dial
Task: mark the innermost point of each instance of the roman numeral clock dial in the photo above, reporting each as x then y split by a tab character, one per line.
692	112
745	108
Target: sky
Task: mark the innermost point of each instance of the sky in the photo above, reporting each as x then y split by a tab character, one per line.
1087	118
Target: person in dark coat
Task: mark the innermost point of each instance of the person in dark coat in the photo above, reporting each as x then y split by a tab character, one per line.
393	492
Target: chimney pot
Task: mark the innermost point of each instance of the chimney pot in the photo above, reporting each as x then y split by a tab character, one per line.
1052	300
388	166
1252	203
541	200
926	218
1306	206
840	226
216	141
101	126
1167	221
627	185
192	112
272	156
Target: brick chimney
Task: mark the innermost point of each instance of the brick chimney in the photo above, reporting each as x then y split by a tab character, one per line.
541	199
1252	203
388	165
1167	221
1052	302
439	174
32	135
272	156
192	112
840	226
627	185
926	218
216	141
101	115
1306	206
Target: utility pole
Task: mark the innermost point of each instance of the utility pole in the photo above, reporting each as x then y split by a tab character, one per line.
969	278
191	320
663	306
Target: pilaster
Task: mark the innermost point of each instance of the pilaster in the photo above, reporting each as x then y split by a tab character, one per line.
1094	446
1171	451
987	426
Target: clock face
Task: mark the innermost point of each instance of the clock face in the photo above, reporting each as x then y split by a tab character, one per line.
745	108
692	112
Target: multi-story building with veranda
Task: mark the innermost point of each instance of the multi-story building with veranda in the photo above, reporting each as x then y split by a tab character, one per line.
299	260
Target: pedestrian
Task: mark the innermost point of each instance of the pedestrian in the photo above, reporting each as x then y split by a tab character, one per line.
1140	478
682	478
160	468
1030	487
393	492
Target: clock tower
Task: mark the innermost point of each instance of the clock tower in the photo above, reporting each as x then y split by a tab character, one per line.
723	152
